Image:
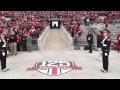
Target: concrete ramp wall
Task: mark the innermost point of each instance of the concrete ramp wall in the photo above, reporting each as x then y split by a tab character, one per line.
43	38
67	37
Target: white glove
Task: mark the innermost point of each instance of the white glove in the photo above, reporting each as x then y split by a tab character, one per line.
104	45
3	53
88	38
106	54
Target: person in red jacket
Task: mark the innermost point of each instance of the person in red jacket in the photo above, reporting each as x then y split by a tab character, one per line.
77	28
35	25
72	30
18	42
118	38
105	19
106	26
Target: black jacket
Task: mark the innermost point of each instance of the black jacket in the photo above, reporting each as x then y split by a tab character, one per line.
106	42
24	39
1	43
13	38
99	40
2	49
90	38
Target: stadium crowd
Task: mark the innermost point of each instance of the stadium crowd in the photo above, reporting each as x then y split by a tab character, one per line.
22	26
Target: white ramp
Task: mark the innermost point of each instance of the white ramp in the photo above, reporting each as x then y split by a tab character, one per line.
55	41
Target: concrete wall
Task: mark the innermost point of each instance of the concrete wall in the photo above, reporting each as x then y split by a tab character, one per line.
67	37
42	39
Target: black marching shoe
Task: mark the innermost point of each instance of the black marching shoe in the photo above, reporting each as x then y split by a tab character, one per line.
5	69
105	71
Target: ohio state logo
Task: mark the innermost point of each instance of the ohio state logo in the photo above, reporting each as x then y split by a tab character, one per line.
54	68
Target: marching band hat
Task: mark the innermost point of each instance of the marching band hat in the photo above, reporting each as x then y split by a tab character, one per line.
105	30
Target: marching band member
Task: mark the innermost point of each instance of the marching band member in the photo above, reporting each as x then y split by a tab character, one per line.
3	52
105	50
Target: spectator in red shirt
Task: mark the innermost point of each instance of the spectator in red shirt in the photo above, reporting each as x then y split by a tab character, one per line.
106	25
43	26
18	42
72	30
118	38
35	25
26	32
105	19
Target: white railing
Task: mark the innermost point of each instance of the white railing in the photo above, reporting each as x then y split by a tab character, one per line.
42	39
67	37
